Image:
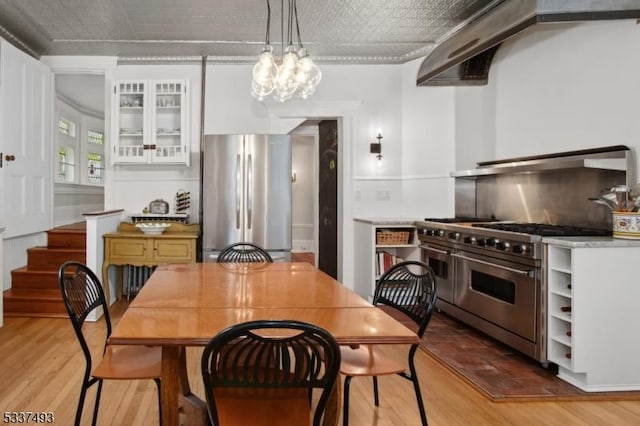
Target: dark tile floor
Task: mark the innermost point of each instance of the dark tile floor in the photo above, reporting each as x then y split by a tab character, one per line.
496	370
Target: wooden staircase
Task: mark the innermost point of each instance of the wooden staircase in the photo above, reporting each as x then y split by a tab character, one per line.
34	288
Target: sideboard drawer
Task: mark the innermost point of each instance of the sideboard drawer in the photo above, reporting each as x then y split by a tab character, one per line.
174	250
128	249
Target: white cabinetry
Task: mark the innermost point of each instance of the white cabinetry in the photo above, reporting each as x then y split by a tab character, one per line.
367	253
150	121
592	296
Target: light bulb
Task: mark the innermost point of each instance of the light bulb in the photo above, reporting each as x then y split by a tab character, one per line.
309	75
265	72
286	81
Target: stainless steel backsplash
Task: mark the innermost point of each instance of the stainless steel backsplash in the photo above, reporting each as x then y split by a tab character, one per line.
558	197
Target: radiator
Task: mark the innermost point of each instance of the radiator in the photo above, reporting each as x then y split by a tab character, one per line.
134	278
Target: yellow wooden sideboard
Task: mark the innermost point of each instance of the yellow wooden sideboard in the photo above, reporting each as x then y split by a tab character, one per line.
130	246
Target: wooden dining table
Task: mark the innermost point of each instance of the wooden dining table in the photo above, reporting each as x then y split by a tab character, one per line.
185	305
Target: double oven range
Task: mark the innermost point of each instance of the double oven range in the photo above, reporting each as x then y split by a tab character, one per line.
490	275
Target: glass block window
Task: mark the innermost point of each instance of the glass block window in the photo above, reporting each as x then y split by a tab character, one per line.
94	168
66	165
95	137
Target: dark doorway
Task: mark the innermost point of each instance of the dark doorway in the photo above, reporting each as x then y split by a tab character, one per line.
328	198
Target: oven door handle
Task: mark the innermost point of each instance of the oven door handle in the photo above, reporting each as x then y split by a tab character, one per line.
434	249
506	268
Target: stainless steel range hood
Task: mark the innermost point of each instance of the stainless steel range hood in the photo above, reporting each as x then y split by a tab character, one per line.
617	157
465	57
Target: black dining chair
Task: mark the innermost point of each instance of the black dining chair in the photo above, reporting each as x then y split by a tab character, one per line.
244	253
263	373
410	288
82	293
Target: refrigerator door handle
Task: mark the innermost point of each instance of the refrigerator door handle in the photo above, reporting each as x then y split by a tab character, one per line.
238	191
249	192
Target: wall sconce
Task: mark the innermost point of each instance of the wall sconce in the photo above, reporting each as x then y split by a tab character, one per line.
376	148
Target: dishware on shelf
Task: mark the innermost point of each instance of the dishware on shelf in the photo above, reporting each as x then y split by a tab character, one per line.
153	228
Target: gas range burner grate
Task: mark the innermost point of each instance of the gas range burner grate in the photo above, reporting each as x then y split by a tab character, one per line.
460	219
545	230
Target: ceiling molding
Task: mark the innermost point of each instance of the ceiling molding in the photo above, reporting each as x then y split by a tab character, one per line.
82	109
7	35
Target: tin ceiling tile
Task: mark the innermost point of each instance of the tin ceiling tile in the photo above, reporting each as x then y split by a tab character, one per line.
350	31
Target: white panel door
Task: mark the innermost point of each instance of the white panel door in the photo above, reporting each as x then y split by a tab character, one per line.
25	143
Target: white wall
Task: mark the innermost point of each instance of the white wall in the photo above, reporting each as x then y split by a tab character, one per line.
412	180
556	88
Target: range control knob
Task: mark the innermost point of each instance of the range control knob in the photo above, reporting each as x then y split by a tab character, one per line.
481	242
491	242
504	246
470	240
441	232
454	235
520	249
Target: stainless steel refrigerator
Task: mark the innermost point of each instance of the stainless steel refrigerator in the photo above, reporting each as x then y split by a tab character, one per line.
246	193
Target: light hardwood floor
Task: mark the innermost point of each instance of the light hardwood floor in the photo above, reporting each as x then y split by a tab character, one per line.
41	367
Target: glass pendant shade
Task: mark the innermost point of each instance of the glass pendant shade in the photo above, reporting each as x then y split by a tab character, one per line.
287	81
309	75
265	73
296	75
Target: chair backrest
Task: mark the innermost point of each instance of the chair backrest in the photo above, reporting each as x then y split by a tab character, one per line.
243	357
81	293
244	253
411	288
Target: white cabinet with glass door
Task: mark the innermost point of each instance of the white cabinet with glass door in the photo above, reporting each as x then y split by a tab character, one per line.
150	122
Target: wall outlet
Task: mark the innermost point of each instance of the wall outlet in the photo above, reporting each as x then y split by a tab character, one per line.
383	195
358	195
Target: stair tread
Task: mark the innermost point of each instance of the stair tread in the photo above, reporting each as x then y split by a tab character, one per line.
78	226
40	294
25	270
36	314
61	249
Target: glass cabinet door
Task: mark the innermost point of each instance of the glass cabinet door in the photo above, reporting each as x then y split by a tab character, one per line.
169	121
131	122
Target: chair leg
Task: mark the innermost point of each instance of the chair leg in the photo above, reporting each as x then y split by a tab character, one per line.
97	404
159	386
345	403
416	387
376	400
83	394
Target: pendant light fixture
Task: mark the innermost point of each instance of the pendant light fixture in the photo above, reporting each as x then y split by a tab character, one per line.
296	75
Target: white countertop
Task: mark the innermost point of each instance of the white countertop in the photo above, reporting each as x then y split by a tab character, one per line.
387	220
570	242
574	242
